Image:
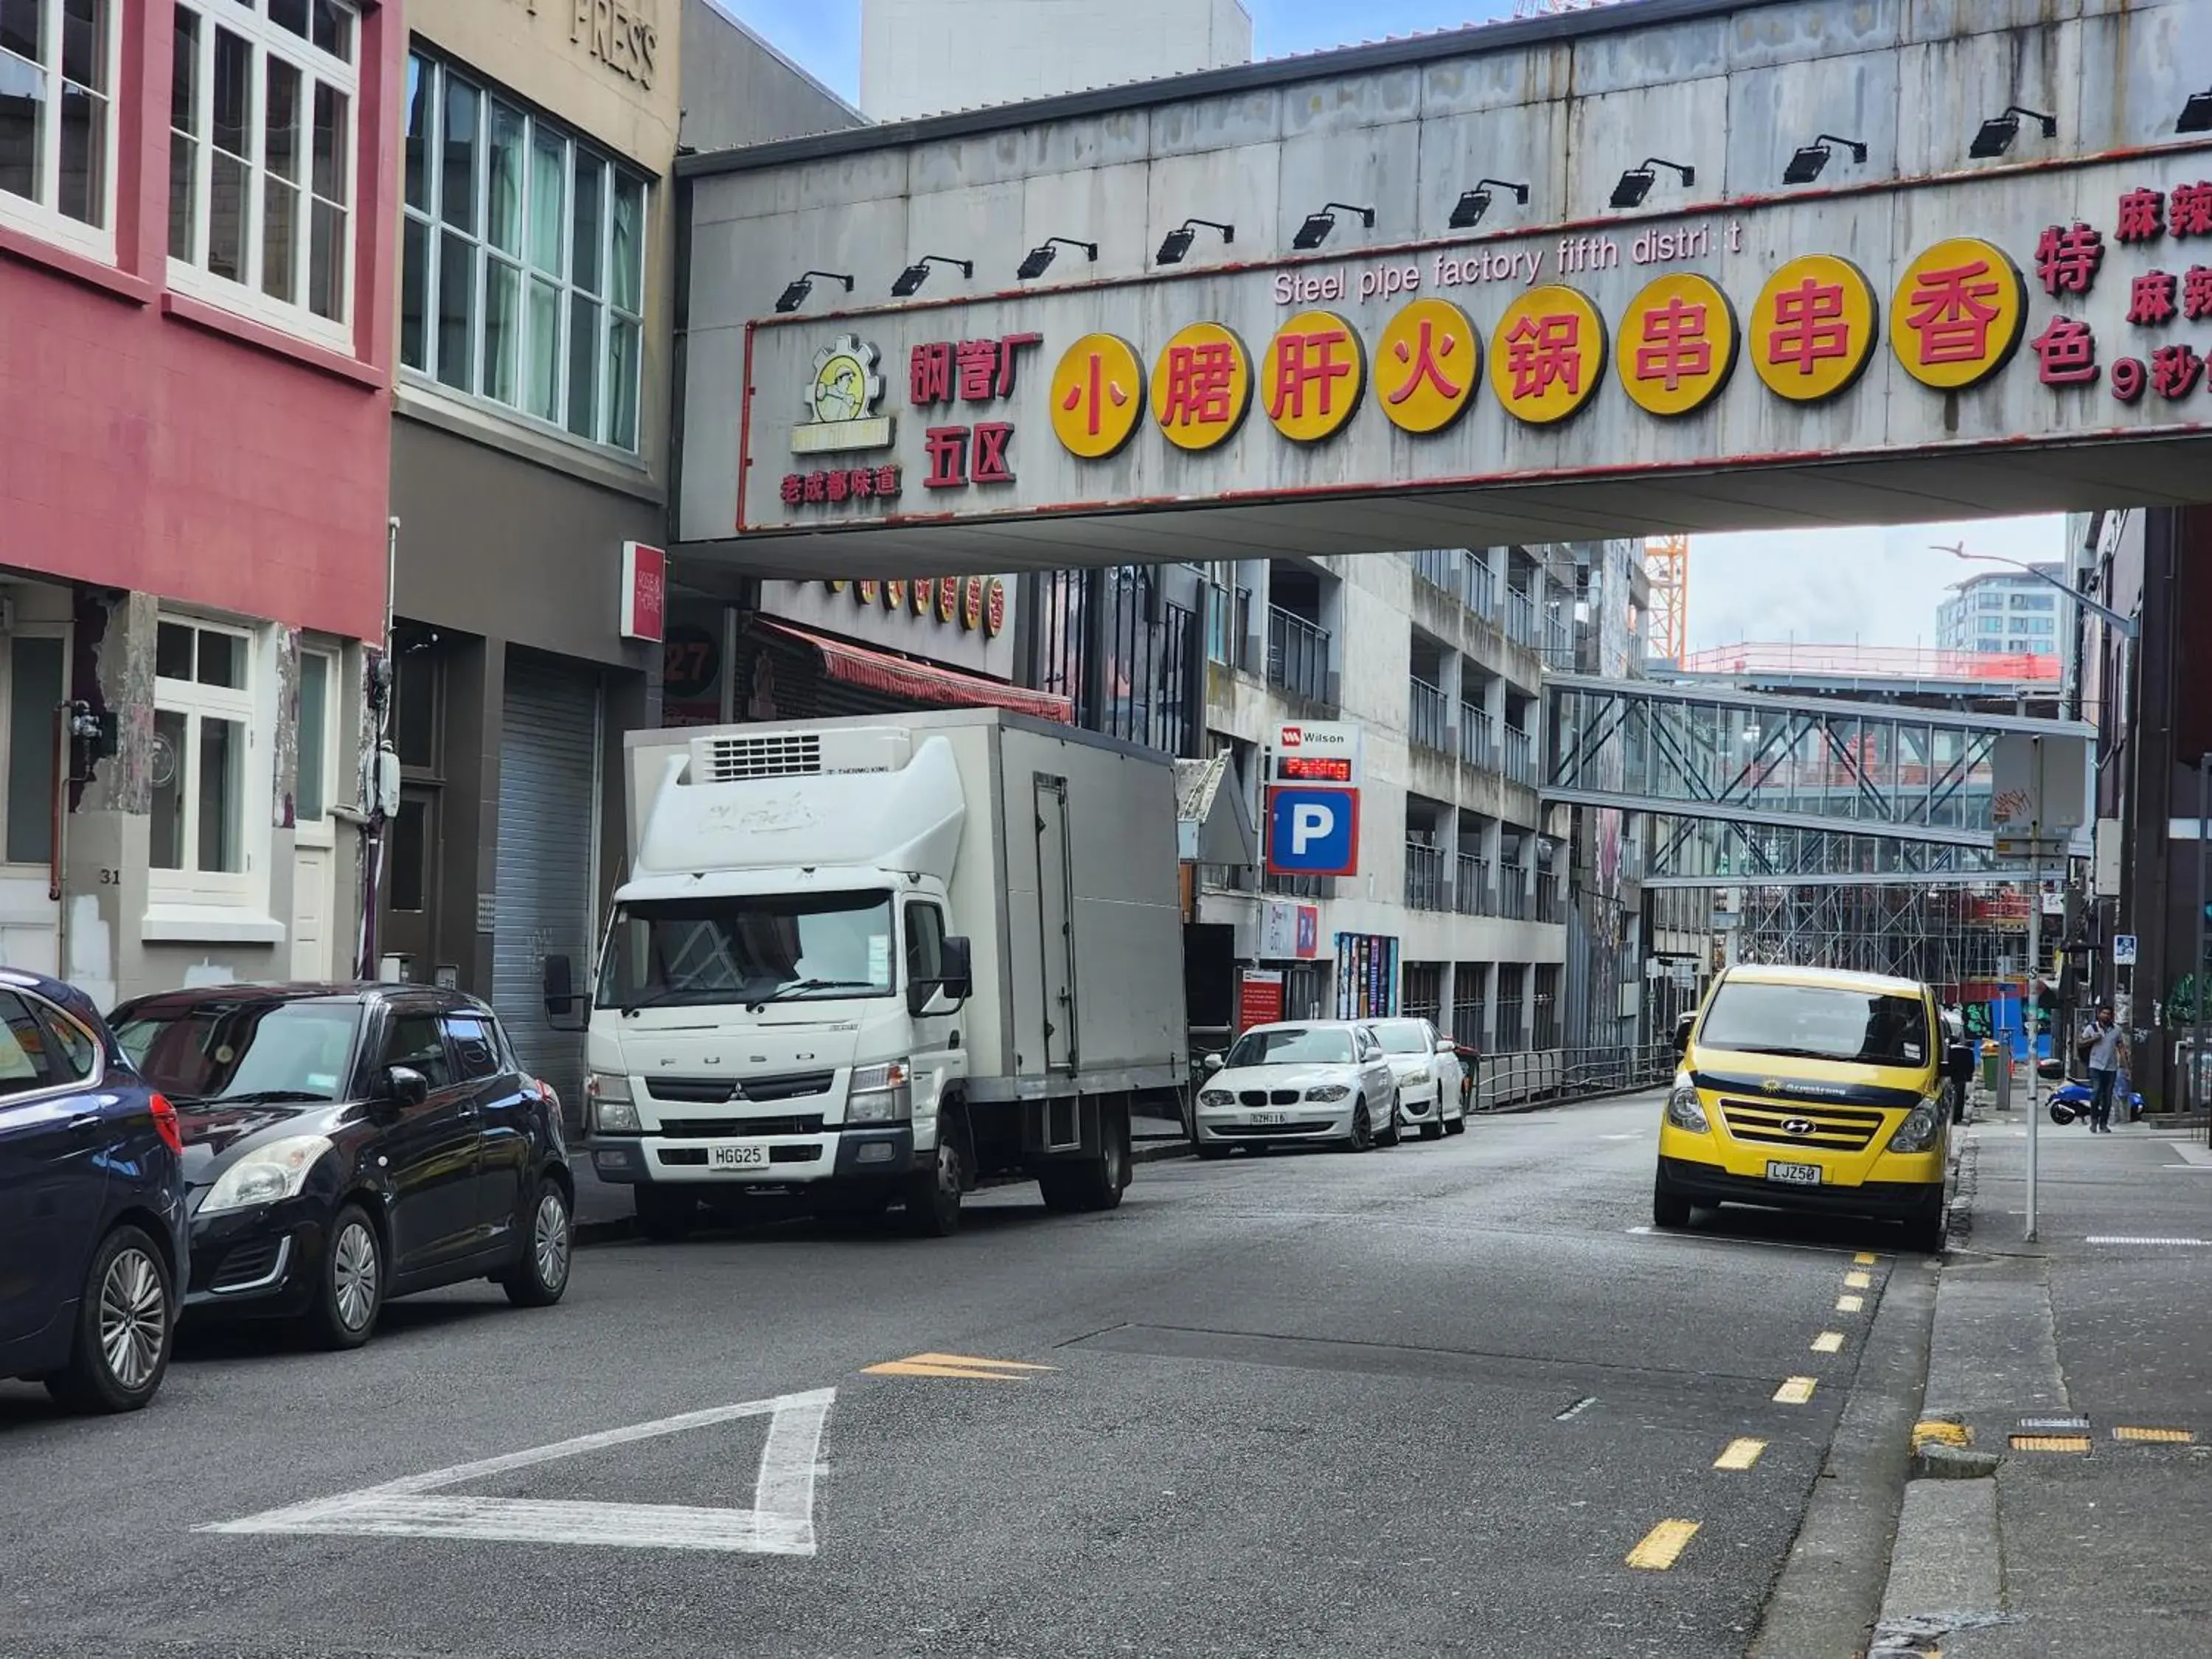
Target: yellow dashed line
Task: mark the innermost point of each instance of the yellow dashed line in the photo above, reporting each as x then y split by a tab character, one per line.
1742	1454
2157	1437
1796	1391
2050	1443
1662	1545
1858	1279
1934	1431
1866	1258
1851	1302
1828	1342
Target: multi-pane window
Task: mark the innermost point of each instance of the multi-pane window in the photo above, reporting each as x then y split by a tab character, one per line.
262	135
522	260
58	113
317	727
202	720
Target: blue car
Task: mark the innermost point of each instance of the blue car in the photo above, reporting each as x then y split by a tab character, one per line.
91	1204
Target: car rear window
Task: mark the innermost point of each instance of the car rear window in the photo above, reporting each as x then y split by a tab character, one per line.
1817	1022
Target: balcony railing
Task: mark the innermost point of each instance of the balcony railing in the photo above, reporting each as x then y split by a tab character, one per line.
1511	1038
1512	896
1472	893
1425	711
1548	908
1424	877
1297	655
1520	617
1467	1024
1478	737
1461	574
1306	887
1481	589
1520	756
1228	619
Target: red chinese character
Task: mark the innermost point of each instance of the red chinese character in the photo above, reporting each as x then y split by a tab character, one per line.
862	482
2190	212
1675	347
991	440
2142	216
930	374
947	448
887	482
1428	359
794	489
1952	313
1096	390
835	484
1201	379
1541	350
2128	377
1307	360
1808	325
2174	370
1008	345
2067	258
2066	353
2150	298
978	363
2197	292
818	486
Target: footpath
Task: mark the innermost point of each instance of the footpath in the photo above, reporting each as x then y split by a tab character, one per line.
2061	1501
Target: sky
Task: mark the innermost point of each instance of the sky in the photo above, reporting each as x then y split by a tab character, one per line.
1841	587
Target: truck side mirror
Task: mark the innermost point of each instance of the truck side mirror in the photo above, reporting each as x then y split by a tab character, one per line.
1682	1029
955	978
560	988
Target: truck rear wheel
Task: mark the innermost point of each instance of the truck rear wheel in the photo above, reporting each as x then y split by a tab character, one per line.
1095	1183
933	1195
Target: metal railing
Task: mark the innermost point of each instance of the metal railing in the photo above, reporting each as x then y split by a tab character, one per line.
1424	877
1520	756
1472	893
1520	617
1498	1082
1478	737
1228	621
1426	715
1548	908
1310	887
1512	896
1481	590
1297	655
1873	661
1511	1036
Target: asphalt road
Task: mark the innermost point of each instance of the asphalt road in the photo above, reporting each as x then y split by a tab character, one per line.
1424	1402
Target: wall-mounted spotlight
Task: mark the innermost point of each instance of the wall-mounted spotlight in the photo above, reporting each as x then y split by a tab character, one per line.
1042	256
1806	164
2197	113
1316	230
1636	184
1467	211
1176	242
1999	130
795	296
918	273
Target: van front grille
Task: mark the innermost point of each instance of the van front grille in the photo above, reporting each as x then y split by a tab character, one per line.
782	754
1794	1123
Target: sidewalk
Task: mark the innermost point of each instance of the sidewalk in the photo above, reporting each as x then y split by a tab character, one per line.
2068	1522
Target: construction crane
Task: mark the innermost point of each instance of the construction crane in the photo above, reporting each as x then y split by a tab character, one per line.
1667	566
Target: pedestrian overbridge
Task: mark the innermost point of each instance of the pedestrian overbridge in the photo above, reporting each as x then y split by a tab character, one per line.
1784	791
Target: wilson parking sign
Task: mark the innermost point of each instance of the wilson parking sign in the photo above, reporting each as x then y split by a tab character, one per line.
1313	832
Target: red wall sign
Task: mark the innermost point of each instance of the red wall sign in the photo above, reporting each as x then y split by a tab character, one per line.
644	591
1259	998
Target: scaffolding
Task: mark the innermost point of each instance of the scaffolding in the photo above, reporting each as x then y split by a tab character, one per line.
1962	940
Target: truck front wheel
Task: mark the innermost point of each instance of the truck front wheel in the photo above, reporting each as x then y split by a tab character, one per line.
933	1195
1093	1183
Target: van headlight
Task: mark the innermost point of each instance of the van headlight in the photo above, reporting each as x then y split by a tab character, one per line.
881	1094
266	1174
607	1099
1921	1126
1685	1111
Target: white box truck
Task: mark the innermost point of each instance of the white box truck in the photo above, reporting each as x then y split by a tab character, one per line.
880	960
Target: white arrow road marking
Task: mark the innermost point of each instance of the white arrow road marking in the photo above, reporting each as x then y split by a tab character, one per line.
781	1521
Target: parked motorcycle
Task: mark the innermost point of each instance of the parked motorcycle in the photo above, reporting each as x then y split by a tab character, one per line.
2071	1104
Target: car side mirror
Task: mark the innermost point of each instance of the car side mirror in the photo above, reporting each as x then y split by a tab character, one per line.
1211	1062
955	977
405	1086
1446	1046
1682	1029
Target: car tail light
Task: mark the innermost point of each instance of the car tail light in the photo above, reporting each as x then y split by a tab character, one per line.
165	1125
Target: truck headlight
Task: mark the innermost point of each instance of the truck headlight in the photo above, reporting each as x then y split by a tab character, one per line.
266	1174
1216	1097
881	1094
1327	1092
606	1095
1921	1126
1685	1111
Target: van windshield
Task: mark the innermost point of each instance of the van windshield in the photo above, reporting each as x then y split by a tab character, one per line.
772	948
1817	1022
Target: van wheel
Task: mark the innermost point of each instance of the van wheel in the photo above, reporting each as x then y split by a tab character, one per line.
665	1217
350	1292
1924	1232
1669	1208
126	1318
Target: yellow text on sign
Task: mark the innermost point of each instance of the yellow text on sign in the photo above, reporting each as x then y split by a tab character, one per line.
1677	345
1427	366
1098	396
1547	354
1813	328
1201	385
1958	314
1315	370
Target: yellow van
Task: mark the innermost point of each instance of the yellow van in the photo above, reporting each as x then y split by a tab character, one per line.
1805	1089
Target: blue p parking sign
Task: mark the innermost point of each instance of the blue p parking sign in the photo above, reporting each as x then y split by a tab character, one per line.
1313	832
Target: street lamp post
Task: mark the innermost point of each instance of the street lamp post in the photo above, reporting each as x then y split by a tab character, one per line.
2130	627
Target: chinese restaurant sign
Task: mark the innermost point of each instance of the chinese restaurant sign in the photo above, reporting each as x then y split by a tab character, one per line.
2031	307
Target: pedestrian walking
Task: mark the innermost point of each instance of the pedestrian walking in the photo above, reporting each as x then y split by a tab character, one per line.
2104	1050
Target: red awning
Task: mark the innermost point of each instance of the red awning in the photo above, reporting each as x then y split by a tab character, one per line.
899	677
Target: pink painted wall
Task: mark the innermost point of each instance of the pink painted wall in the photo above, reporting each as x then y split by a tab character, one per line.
150	442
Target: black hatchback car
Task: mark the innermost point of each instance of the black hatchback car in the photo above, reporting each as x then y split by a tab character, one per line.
347	1144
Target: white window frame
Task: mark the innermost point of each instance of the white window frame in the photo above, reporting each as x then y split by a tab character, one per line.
42	218
188	271
320	832
245	888
429	219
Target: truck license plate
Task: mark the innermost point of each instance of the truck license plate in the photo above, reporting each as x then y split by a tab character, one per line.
737	1157
1794	1175
1270	1117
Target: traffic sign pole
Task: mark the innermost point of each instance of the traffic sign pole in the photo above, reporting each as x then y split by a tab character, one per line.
2034	977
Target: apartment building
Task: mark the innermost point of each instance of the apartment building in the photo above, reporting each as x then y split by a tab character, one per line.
2009	612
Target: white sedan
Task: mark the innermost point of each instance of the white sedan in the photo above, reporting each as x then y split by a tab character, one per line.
1427	1067
1307	1080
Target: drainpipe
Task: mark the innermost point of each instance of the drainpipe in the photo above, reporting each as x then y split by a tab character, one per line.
372	820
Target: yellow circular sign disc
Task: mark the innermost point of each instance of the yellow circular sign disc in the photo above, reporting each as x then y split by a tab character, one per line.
1677	345
1427	366
1813	328
1315	372
1547	354
1201	385
1958	314
1098	396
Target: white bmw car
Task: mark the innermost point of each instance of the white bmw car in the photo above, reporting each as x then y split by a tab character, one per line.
1427	1070
1306	1080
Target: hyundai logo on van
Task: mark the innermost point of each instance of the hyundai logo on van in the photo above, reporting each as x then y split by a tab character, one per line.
1798	1126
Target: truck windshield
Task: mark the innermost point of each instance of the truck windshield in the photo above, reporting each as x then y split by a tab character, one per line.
1817	1022
771	948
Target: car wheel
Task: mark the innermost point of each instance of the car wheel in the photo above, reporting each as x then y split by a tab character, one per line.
1457	1126
1668	1207
1363	1130
126	1319
542	1275
350	1294
1433	1128
933	1196
1213	1152
1397	1130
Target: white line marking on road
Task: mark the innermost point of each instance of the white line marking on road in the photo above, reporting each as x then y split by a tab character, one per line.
781	1521
2109	1238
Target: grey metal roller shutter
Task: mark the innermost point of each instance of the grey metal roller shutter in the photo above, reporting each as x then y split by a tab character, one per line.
548	813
